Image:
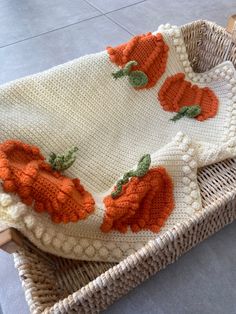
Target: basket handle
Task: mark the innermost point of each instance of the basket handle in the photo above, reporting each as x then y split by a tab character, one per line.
231	30
10	240
231	27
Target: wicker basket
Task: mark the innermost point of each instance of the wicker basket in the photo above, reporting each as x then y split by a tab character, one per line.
58	285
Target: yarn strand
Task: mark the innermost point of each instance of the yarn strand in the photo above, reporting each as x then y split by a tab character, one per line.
136	78
187	111
63	162
142	169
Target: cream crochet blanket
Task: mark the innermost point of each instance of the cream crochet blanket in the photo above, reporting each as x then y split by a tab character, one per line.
113	125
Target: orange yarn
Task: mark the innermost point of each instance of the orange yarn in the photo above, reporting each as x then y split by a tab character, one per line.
24	171
145	204
150	52
176	92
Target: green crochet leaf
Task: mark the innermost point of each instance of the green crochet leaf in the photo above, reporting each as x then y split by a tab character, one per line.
138	79
187	111
63	162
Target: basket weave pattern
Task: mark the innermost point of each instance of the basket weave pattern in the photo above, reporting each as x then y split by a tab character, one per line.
58	285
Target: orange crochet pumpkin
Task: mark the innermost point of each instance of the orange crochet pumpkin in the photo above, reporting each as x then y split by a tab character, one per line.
149	51
24	171
145	203
176	93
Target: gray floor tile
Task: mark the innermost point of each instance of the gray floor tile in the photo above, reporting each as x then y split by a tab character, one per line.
201	282
40	53
111	5
24	19
12	298
147	16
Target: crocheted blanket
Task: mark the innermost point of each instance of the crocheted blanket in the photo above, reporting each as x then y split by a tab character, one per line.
138	123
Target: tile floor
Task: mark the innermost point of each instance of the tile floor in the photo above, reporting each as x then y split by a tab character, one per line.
38	34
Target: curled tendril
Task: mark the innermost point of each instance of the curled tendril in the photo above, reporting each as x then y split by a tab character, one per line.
136	78
142	168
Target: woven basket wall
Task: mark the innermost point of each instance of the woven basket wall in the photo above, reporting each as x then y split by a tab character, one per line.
58	285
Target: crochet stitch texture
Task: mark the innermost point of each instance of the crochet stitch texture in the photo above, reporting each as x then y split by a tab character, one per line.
176	93
85	240
149	51
145	203
113	125
25	172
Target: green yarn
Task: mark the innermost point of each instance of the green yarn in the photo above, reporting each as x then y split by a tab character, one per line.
128	67
187	111
142	168
63	162
125	71
136	78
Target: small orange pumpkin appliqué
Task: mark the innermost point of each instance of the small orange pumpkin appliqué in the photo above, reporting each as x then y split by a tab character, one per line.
145	203
24	171
149	51
176	93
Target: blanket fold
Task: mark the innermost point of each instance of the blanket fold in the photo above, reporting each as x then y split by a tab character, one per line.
141	98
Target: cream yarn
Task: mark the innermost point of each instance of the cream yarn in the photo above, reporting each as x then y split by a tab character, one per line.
79	104
84	239
215	138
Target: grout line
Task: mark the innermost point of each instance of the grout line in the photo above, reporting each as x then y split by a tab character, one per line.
111	19
118	24
51	31
88	19
127	6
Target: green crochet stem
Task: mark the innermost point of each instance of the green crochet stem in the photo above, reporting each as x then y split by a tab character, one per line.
125	71
136	78
187	111
63	162
142	169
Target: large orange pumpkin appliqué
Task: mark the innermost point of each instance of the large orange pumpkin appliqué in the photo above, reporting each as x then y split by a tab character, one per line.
24	171
145	203
176	93
149	51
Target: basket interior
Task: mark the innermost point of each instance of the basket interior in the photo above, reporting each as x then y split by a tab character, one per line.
208	45
57	277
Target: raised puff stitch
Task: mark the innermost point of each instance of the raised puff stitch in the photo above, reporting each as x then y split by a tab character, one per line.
25	172
149	52
164	183
177	93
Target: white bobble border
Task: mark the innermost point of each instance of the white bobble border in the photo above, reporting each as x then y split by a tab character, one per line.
87	248
230	129
175	33
58	241
192	197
